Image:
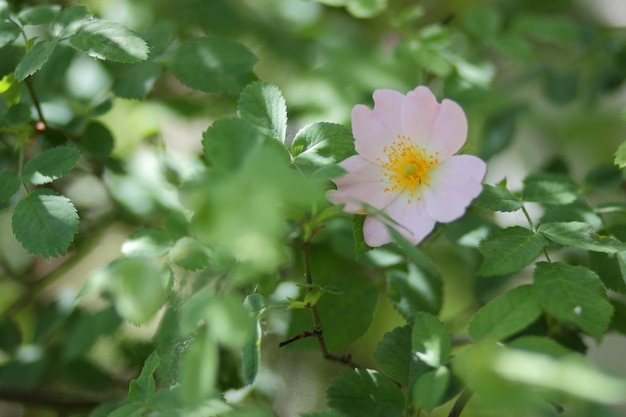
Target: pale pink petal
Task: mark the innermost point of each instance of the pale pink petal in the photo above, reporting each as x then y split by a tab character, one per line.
370	133
413	222
418	112
361	184
449	129
453	185
388	108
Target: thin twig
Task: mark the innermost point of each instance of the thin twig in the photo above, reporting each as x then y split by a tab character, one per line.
460	403
33	95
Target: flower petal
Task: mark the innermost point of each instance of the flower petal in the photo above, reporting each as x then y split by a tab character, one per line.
449	129
418	112
361	184
388	108
413	222
453	185
370	131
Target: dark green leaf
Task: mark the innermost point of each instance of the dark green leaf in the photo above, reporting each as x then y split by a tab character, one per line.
580	235
213	65
143	387
147	242
189	254
505	315
8	32
34	59
45	223
611	268
469	230
482	22
39	15
50	165
510	250
98	140
430	388
322	143
549	188
110	41
561	87
573	294
430	340
499	130
548	28
10	336
136	81
497	199
69	21
18	114
9	184
393	354
604	177
263	105
82	335
365	393
412	291
251	354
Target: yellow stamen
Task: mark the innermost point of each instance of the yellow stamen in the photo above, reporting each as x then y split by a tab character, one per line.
407	168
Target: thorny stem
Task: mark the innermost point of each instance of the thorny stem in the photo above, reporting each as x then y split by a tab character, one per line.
460	403
534	230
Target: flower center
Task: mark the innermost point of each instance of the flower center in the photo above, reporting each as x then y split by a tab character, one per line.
407	168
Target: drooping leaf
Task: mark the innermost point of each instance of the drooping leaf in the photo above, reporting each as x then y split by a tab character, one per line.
611	268
107	40
364	392
69	21
549	188
263	105
199	368
573	294
213	65
497	198
412	290
9	184
8	32
50	165
430	388
34	59
322	143
39	15
393	354
509	250
580	235
142	388
430	340
505	315
45	223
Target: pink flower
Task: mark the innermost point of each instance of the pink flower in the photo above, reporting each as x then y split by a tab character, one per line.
406	165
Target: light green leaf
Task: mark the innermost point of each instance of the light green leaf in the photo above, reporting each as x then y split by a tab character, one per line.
69	21
497	199
573	294
147	242
189	254
482	22
580	235
430	388
366	8
50	165
227	142
109	41
549	188
142	388
45	223
34	59
620	156
9	184
322	144
540	344
412	291
213	65
505	315
137	80
509	250
364	392
263	105
199	368
39	15
8	32
430	340
393	354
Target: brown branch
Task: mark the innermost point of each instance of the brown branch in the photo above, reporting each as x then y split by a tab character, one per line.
460	403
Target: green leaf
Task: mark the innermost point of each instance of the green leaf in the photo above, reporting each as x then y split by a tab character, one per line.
97	139
510	250
69	21
45	223
412	291
430	388
34	59
8	32
470	230
548	28
393	354
9	184
499	130
138	286
147	242
227	142
497	199
366	8
365	393
137	80
540	344
142	388
213	65
251	354
90	326
549	188
580	235
263	105
109	41
505	315
322	143
189	254
50	165
430	340
573	294
10	336
39	15
611	268
199	369
620	156
482	22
